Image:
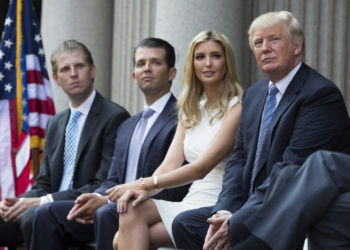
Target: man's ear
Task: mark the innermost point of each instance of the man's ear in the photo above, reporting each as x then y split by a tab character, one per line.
93	71
298	47
54	76
172	74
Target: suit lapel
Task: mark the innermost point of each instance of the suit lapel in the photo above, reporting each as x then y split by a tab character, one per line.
288	97
167	113
126	139
89	125
61	130
259	102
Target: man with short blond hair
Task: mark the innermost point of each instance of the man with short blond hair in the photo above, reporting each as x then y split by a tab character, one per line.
78	144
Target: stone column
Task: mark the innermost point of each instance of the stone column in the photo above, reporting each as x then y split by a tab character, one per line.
88	21
133	21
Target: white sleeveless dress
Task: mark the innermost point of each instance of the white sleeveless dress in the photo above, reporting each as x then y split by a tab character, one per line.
204	192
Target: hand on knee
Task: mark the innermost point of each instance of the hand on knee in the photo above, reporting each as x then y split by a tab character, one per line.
131	217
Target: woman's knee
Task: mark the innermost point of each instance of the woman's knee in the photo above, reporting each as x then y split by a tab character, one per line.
133	215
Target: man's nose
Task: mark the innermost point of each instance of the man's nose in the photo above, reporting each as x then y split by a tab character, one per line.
73	71
147	66
266	45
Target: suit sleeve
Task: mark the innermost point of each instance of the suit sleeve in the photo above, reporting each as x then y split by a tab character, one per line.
322	123
112	178
42	184
108	139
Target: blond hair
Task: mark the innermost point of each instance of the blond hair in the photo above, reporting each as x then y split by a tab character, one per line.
70	45
189	110
271	19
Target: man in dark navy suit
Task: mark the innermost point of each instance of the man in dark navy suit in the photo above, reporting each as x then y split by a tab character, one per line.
285	117
135	155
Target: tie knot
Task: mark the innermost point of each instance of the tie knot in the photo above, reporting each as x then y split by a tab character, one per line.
75	115
273	89
147	113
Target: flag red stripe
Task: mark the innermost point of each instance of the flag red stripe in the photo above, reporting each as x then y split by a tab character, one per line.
41	106
34	76
37	131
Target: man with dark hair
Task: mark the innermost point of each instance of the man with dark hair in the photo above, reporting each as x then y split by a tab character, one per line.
136	154
78	144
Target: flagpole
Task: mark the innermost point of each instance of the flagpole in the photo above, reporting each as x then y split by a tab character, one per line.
36	161
18	65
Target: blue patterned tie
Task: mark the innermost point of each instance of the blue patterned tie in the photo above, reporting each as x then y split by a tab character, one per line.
70	150
269	111
136	144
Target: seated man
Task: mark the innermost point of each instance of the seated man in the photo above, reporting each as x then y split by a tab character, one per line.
136	154
312	199
285	118
78	149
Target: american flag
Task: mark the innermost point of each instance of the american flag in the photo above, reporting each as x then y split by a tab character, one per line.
26	101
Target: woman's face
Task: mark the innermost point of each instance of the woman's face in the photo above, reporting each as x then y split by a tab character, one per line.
209	63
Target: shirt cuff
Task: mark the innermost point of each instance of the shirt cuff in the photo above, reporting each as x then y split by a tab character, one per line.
224	212
101	196
46	199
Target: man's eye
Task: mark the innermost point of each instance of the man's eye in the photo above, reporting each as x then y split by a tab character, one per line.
258	44
275	39
64	69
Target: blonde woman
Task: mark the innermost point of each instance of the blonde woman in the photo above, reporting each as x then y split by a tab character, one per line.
209	113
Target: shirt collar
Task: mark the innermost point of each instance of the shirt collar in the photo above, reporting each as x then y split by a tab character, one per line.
86	105
284	82
159	105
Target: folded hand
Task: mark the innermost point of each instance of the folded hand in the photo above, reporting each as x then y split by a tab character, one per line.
217	235
85	208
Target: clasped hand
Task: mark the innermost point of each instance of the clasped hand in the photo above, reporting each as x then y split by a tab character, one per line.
217	236
12	208
122	194
85	207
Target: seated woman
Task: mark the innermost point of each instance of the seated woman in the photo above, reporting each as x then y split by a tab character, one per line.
208	119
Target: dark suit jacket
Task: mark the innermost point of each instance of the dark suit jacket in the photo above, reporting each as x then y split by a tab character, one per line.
152	153
310	116
94	152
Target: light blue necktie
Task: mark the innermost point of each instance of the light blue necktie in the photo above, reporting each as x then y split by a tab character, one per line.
136	144
70	150
269	111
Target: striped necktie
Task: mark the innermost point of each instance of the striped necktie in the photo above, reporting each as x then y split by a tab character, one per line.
269	111
70	150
